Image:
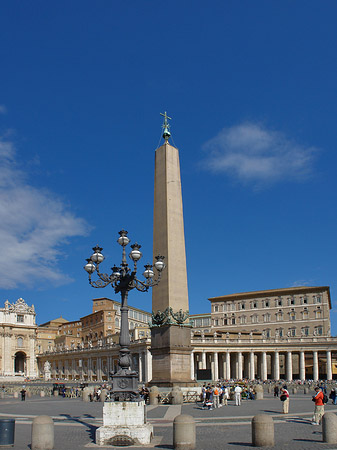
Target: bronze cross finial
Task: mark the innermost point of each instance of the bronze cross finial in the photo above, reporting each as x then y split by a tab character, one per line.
166	126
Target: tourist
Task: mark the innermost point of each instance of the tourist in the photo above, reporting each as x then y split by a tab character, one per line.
284	397
333	396
276	391
319	406
216	395
23	394
225	395
237	392
203	394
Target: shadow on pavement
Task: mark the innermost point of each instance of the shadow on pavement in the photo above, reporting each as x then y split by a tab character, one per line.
91	428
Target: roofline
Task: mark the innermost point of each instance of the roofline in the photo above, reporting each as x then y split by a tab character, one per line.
282	291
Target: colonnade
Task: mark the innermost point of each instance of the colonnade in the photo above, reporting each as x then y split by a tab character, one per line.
97	367
263	365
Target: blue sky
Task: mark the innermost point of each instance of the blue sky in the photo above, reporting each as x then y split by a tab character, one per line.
251	88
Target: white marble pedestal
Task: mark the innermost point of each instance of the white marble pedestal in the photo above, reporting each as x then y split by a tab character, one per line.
124	422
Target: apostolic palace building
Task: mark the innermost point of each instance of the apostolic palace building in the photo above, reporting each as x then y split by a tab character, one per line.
273	334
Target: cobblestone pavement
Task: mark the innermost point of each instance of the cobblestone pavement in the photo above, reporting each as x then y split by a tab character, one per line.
224	428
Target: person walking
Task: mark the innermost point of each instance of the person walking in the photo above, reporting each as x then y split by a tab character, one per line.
284	397
319	406
237	392
276	391
225	395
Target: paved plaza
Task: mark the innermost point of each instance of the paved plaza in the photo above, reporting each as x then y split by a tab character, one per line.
224	428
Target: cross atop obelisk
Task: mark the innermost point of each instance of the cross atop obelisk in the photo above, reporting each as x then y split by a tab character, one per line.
170	330
166	126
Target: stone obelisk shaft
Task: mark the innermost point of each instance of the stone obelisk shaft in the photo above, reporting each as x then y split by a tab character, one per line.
168	232
170	331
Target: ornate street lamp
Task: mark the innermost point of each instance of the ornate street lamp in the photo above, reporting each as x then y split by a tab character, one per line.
123	280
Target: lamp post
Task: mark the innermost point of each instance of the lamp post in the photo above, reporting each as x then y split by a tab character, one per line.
123	280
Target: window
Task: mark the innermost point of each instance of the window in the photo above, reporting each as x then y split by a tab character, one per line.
266	317
20	318
305	331
233	320
20	342
255	318
279	315
305	314
266	304
318	331
242	306
318	299
305	300
279	332
254	305
266	333
216	322
243	320
216	308
318	313
279	302
292	332
292	315
233	307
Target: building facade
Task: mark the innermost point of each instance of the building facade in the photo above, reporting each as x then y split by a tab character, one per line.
18	339
229	350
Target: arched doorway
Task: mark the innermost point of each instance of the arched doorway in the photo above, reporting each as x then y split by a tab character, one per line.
20	363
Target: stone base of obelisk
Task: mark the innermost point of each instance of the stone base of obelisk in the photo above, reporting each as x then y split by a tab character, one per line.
171	356
124	423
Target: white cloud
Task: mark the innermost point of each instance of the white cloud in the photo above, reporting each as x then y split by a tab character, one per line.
33	225
251	153
3	109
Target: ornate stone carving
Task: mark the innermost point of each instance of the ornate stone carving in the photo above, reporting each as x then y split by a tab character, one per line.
20	306
168	317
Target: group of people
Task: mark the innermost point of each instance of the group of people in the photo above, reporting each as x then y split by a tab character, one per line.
216	396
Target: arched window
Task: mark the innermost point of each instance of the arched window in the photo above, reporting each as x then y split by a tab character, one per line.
20	342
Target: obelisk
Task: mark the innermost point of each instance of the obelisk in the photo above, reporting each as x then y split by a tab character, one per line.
170	329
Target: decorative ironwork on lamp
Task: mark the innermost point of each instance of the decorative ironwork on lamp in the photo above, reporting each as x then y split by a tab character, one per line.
123	279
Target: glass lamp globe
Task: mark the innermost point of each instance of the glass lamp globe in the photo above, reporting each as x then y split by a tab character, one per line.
90	266
135	254
148	273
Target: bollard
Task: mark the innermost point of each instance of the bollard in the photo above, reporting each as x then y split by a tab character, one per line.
56	393
262	431
294	391
42	433
16	394
42	394
103	395
28	394
306	390
184	436
269	390
153	396
2	394
85	394
259	392
176	396
329	428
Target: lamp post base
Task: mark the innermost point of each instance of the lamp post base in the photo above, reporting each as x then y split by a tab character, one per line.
124	423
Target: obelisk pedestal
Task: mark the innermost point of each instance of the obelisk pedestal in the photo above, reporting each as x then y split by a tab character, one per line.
170	330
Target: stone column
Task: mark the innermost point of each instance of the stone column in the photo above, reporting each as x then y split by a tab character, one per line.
315	366
99	369
192	366
203	356
239	356
140	365
276	365
228	365
215	374
252	366
289	366
302	366
264	366
148	363
328	365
